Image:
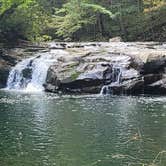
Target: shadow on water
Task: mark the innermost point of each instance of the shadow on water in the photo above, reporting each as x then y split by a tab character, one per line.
45	129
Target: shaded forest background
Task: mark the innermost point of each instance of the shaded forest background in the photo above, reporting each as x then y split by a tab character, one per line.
82	20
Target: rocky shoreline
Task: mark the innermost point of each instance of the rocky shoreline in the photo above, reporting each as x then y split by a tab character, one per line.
87	67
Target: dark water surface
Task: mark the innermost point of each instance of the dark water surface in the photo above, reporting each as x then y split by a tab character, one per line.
48	130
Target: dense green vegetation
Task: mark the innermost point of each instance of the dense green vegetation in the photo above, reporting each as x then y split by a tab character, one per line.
82	20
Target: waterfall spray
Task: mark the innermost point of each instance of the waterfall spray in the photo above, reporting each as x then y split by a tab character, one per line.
30	74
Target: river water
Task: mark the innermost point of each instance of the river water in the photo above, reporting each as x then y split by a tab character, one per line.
42	129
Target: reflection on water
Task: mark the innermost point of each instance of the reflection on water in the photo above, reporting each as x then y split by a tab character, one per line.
47	130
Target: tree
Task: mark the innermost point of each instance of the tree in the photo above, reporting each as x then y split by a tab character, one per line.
78	19
77	14
21	19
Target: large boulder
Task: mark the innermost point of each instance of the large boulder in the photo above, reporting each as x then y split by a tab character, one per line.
130	68
156	63
158	87
88	71
4	72
131	86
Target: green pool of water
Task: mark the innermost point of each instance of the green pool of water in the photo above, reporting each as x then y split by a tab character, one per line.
48	130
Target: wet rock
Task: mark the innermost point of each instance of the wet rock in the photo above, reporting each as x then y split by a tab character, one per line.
6	61
69	80
82	86
88	67
158	87
155	64
27	73
87	74
130	73
151	78
4	72
133	86
52	82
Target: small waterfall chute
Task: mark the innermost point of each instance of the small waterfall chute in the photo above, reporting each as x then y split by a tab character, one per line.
30	74
114	79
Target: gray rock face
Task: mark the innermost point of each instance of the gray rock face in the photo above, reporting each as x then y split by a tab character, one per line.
122	68
4	72
6	61
86	69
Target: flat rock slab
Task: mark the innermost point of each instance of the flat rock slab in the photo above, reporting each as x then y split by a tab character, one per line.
87	67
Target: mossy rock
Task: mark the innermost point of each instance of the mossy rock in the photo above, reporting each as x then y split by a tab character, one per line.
75	75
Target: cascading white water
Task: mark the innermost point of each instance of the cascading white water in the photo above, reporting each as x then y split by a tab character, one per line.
115	80
30	74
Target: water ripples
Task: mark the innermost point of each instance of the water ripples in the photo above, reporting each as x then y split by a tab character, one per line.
47	129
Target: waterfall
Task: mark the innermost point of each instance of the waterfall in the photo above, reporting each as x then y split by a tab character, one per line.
115	79
30	74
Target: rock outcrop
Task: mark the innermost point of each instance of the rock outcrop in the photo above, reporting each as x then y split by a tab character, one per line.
87	67
112	67
6	62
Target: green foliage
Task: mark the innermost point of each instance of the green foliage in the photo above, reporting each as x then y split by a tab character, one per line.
75	15
148	25
43	20
75	75
21	19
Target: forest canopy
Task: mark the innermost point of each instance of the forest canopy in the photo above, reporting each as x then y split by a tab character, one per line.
82	20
